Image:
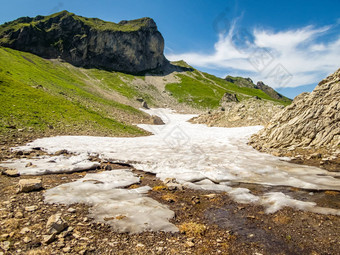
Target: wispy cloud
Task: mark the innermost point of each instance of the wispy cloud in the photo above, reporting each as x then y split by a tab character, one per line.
305	54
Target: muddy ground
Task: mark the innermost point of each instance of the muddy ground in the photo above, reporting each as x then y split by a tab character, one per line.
210	222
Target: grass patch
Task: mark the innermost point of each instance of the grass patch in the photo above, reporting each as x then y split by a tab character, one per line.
203	90
39	94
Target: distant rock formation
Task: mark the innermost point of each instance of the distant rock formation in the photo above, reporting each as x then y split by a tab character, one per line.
248	83
250	112
310	123
227	97
129	46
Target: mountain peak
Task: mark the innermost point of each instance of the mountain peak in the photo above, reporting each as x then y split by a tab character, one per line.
129	46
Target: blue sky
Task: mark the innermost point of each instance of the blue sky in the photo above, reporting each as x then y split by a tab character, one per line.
290	45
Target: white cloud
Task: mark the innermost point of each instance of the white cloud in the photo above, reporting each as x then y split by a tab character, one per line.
302	56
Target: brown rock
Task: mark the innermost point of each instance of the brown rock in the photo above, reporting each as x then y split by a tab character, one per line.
28	185
55	224
11	173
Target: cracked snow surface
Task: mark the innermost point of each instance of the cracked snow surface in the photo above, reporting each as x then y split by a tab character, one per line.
197	156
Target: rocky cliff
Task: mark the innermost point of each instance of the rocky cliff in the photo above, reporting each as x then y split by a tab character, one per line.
128	46
310	123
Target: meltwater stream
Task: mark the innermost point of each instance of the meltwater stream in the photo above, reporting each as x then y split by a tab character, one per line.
199	157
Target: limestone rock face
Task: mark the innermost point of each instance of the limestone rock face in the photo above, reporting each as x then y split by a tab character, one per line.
311	121
129	46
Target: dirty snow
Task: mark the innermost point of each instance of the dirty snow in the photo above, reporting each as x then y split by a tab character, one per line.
51	165
201	157
126	210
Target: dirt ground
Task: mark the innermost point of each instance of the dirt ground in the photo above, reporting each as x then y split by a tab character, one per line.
209	222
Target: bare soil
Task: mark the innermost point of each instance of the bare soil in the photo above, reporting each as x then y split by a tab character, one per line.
219	225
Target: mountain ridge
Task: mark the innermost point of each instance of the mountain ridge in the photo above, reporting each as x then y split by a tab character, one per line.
128	46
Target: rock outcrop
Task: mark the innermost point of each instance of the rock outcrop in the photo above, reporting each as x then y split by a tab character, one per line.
311	122
248	83
251	112
227	98
128	46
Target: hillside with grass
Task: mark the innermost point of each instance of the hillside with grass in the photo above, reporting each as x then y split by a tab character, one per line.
50	97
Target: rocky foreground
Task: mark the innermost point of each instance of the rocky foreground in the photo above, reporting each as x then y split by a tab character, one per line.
309	128
209	222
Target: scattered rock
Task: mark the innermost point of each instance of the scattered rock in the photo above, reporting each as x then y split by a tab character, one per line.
19	153
18	215
11	173
31	208
145	105
27	239
172	184
29	164
55	224
71	210
67	249
28	185
190	244
156	120
5	245
60	152
227	97
195	200
24	230
47	239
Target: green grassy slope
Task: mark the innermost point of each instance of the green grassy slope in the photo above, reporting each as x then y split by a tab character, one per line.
52	97
201	89
39	95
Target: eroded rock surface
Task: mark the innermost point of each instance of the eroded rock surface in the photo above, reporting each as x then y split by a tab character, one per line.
310	123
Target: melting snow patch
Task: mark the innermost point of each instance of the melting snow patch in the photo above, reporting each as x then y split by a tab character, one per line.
202	157
275	201
51	165
126	210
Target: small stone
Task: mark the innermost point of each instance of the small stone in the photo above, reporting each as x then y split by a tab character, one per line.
19	215
47	239
29	164
190	244
25	230
4	236
11	173
145	105
67	249
27	239
71	210
5	245
55	224
19	153
28	185
61	152
211	196
156	120
140	245
31	208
